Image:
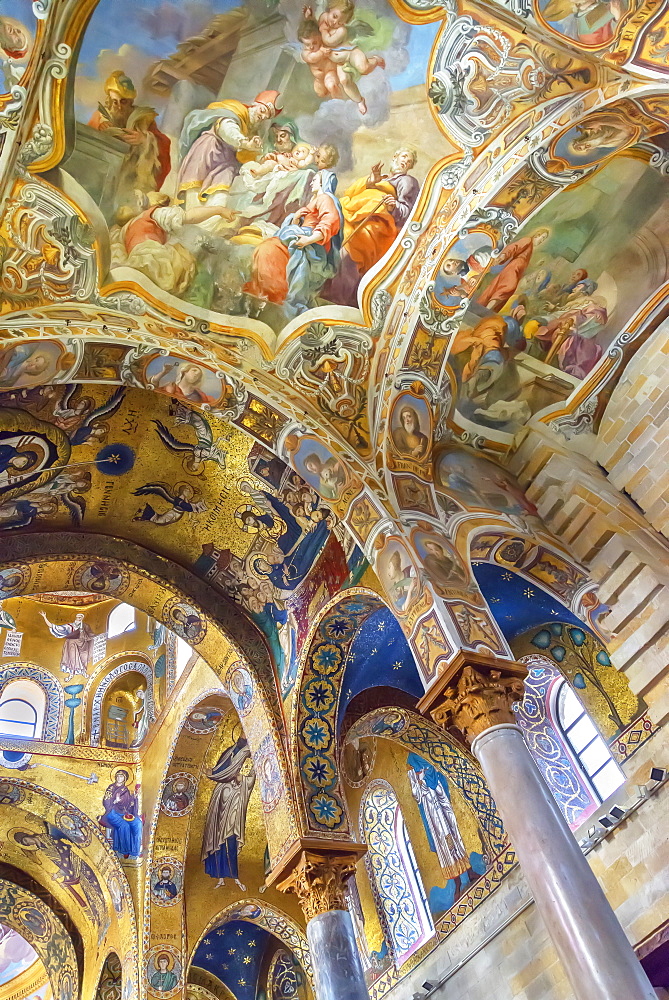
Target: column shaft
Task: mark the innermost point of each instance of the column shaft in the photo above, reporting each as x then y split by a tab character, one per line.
335	959
592	946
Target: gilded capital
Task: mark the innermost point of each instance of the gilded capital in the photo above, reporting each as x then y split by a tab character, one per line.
318	879
476	694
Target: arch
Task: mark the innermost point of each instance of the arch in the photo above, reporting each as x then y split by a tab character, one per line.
30	915
51	808
313	724
537	562
138	666
190	755
265	915
110	985
229	642
552	757
53	694
423	739
393	874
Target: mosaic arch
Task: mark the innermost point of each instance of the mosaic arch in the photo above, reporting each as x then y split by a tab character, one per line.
424	741
38	814
169	836
29	916
264	915
103	685
55	697
314	721
150	589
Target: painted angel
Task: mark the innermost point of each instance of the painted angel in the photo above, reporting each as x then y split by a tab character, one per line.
205	448
334	48
181	501
80	419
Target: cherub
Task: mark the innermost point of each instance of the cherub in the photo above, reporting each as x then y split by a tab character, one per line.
318	58
339	34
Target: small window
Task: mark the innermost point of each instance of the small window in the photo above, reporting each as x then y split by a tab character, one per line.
122	619
22	708
586	744
183	655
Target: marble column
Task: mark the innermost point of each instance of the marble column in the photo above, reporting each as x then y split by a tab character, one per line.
476	697
318	879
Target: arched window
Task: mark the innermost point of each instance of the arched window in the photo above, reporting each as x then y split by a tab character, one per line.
22	708
183	655
586	744
394	874
122	619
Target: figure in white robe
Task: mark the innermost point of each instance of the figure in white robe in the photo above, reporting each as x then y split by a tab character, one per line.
443	828
78	646
225	825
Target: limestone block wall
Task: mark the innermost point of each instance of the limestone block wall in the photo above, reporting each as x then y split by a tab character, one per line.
622	552
502	949
633	438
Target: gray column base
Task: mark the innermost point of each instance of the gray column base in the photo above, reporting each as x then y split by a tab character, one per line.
335	958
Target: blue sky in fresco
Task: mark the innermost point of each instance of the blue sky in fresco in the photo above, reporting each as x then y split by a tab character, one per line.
118	22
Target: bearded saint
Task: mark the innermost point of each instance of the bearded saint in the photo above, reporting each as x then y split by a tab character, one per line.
216	142
225	825
78	645
147	162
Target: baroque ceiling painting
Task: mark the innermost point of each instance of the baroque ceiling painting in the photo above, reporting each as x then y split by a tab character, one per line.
333	366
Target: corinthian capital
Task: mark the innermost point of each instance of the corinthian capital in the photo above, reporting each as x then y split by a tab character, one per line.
476	693
318	879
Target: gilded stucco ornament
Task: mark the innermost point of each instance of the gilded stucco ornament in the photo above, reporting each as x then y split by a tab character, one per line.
319	881
479	698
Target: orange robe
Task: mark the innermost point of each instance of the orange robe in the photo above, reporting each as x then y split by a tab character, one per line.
376	236
516	258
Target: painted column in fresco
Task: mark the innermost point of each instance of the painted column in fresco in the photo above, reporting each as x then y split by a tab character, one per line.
476	696
318	879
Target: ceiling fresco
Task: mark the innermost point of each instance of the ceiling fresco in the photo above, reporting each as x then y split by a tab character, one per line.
283	290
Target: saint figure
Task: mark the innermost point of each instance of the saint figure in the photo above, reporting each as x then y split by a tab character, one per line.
78	645
224	828
122	816
441	825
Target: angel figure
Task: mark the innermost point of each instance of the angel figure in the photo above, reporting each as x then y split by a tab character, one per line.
181	501
205	448
81	420
337	40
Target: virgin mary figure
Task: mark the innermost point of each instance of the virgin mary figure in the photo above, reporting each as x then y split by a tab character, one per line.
225	825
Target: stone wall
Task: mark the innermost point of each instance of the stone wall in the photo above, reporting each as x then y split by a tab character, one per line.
611	537
502	951
633	443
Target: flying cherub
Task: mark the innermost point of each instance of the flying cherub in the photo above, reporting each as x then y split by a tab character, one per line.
332	48
205	449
